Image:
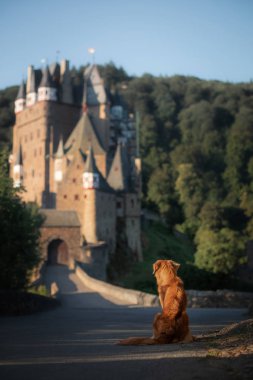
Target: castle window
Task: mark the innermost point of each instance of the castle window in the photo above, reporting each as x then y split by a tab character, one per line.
40	151
33	172
78	166
35	152
118	204
85	196
65	196
74	180
76	197
132	203
31	136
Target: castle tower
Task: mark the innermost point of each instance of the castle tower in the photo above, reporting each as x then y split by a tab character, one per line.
96	101
46	90
128	201
66	84
18	168
99	222
90	185
31	94
20	101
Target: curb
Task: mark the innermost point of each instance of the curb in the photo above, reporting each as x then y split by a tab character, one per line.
133	297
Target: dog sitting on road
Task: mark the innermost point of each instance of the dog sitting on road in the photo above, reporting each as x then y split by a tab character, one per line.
172	325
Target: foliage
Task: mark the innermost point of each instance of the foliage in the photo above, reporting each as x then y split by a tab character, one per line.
196	144
19	233
159	243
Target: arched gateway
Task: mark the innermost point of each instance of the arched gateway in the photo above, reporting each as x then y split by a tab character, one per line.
60	237
57	252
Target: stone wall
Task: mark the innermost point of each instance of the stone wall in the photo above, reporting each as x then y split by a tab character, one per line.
70	235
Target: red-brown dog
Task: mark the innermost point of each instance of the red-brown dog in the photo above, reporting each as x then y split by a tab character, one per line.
172	325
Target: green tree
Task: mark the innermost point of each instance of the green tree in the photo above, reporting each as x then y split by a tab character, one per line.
19	233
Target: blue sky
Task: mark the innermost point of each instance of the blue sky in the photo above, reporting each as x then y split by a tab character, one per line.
210	39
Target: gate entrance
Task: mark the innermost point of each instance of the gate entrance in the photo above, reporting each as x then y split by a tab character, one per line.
57	252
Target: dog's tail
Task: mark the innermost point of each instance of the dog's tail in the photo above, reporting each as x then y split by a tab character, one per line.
136	341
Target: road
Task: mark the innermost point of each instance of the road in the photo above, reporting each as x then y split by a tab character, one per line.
78	340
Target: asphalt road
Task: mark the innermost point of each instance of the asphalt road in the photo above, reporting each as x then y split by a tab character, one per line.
78	340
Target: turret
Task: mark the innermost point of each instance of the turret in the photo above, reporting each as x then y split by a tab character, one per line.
58	162
91	174
66	84
20	99
31	94
119	175
46	90
18	169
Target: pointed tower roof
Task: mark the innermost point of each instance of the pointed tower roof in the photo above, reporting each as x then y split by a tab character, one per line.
22	91
90	165
60	150
96	93
46	80
33	82
19	158
83	136
119	174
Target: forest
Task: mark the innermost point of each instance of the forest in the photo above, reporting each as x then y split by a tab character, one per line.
196	145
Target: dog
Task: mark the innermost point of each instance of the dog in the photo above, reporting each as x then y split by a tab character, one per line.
172	324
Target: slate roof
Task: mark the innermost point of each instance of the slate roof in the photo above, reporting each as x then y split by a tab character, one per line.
119	175
95	92
46	80
60	151
91	167
33	82
83	136
63	218
90	164
21	91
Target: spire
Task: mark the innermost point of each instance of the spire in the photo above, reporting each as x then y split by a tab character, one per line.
32	83
19	158
20	101
118	177
60	150
91	175
90	166
18	169
46	80
21	92
47	90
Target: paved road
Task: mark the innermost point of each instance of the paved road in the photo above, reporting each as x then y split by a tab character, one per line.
77	340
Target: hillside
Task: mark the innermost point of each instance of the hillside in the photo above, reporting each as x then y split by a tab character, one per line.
196	145
159	243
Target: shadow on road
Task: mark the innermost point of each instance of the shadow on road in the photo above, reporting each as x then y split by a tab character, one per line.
71	291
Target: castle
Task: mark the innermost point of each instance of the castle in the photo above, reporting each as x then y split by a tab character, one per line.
74	152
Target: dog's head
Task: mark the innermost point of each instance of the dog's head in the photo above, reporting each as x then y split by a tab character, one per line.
165	270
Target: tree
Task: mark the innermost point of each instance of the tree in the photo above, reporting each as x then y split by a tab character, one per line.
219	251
19	233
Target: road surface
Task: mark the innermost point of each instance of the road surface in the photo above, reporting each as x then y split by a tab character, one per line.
78	340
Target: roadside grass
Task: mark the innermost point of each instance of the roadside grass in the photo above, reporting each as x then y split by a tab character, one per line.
40	290
157	243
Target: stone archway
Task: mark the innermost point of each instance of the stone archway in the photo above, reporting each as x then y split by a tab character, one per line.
57	252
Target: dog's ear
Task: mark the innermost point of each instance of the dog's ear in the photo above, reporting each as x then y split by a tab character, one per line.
156	266
175	265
